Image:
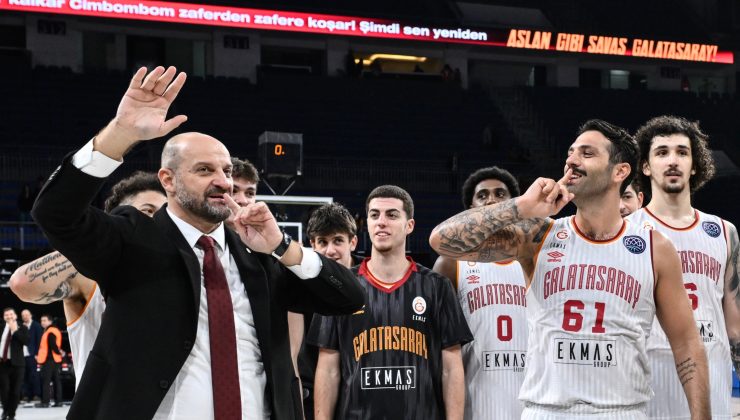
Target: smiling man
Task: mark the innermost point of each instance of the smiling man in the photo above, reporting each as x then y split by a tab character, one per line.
196	313
399	356
595	284
675	161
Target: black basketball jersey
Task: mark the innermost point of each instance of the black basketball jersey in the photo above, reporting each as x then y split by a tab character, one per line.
391	349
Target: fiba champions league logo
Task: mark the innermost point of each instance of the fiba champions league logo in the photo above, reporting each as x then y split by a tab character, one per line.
712	229
634	244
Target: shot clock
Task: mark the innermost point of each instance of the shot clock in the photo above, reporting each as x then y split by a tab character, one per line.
280	154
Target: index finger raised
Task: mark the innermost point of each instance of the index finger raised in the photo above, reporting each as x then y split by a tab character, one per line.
566	176
231	204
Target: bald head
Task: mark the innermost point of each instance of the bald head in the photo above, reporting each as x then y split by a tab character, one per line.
188	146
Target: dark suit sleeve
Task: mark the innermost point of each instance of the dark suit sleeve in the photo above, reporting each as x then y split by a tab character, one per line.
89	238
334	291
21	335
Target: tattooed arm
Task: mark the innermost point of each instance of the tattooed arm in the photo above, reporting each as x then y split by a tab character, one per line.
731	299
511	229
49	279
673	311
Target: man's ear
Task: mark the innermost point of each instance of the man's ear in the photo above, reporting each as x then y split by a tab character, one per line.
622	171
646	169
410	226
167	179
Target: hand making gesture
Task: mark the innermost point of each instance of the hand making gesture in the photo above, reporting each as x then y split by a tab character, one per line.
142	113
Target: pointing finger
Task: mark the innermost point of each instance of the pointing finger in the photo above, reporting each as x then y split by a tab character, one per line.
554	193
566	176
231	204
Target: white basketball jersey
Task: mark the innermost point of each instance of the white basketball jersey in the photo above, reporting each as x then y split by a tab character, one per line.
492	297
84	330
702	249
590	307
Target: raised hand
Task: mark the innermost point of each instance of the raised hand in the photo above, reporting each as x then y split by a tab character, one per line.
255	225
143	109
545	197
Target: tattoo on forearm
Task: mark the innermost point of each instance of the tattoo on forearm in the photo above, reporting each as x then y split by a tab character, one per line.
493	232
62	292
48	268
468	230
733	266
686	371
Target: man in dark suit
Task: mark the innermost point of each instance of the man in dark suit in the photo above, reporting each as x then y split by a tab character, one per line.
12	362
31	378
196	317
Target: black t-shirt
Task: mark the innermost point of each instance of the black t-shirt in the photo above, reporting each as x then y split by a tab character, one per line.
391	349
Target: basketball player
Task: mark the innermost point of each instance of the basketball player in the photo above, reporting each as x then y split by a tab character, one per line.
494	362
399	356
675	162
632	199
52	277
595	283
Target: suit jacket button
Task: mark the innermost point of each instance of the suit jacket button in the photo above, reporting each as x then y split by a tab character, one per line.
187	345
164	384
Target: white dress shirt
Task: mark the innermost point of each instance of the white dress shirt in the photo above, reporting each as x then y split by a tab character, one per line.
3	340
190	396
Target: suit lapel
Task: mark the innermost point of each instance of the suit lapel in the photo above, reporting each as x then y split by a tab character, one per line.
255	280
163	220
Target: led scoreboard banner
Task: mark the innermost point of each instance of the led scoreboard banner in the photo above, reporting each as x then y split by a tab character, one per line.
236	17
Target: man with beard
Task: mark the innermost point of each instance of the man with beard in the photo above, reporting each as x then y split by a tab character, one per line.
495	360
595	283
675	161
196	318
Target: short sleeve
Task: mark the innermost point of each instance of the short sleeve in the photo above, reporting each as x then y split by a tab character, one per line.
453	328
324	332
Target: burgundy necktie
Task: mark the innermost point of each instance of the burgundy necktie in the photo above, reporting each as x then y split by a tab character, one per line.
6	347
224	368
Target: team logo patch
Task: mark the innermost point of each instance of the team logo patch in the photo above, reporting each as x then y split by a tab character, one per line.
562	235
712	229
555	256
472	279
647	225
471	263
419	305
634	244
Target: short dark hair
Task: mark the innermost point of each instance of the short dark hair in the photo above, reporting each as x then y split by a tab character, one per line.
9	309
331	218
47	316
636	185
623	147
392	191
491	172
666	125
139	182
242	168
